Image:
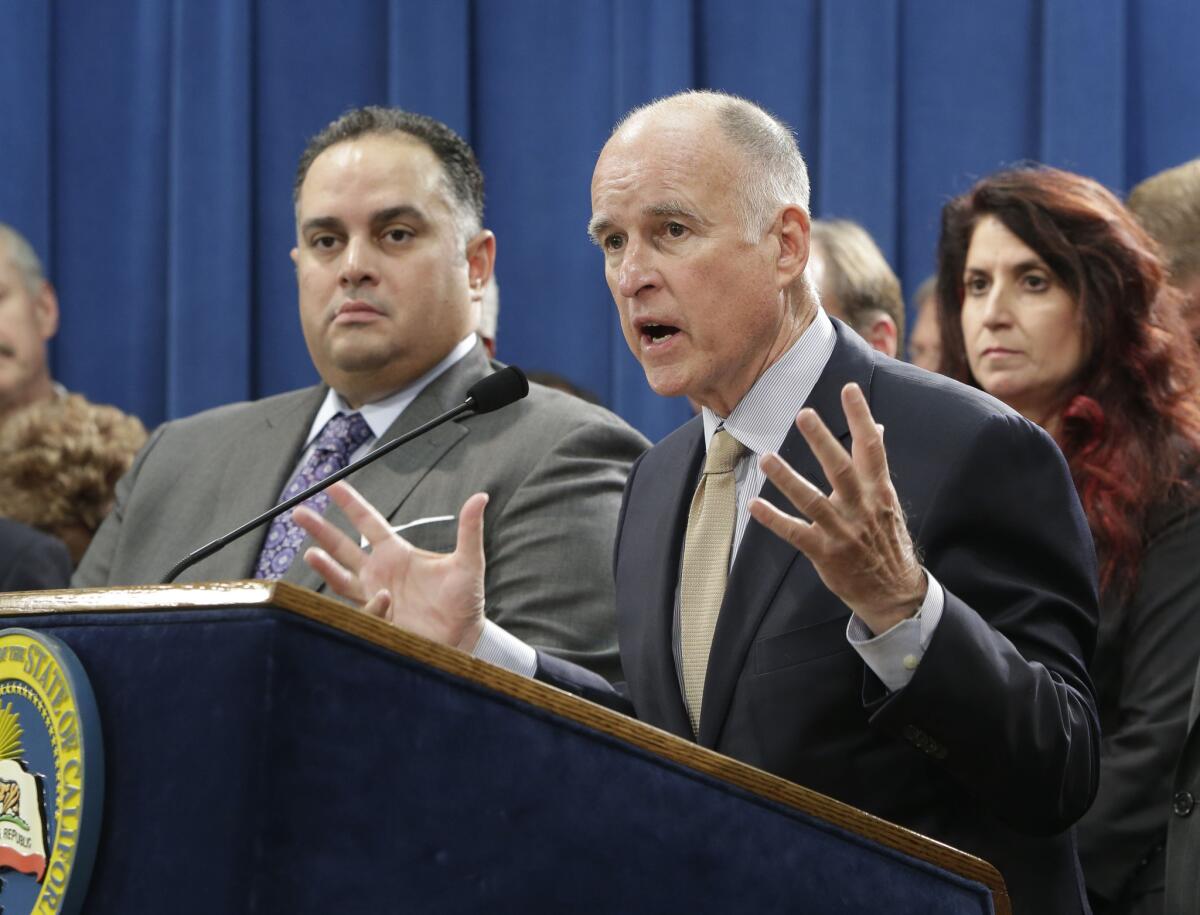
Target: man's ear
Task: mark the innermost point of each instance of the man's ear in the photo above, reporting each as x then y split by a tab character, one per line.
481	258
882	335
295	256
792	228
46	307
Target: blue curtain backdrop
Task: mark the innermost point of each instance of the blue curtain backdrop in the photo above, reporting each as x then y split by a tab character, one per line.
148	147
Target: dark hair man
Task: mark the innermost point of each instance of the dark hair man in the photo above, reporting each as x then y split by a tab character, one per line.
391	258
904	626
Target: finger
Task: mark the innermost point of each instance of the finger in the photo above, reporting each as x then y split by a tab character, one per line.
340	580
380	605
808	500
362	514
800	534
869	455
330	538
469	546
837	464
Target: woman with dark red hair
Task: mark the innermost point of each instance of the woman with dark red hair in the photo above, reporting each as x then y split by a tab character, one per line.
1054	300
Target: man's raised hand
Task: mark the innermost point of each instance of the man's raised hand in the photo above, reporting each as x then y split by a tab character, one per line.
855	537
437	595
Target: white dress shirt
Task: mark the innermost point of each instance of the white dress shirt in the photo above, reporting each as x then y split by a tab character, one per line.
761	421
382	413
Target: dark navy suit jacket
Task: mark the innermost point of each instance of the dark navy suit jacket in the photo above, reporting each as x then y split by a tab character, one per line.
31	560
993	745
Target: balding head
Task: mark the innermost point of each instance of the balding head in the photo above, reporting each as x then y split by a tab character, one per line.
28	319
700	204
770	171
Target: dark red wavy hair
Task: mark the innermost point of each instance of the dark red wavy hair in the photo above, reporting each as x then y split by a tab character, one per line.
1130	419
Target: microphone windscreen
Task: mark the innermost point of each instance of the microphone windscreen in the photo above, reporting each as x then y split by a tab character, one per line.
498	389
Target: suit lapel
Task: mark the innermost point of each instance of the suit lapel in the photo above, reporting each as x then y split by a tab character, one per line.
763	560
659	549
259	458
388	482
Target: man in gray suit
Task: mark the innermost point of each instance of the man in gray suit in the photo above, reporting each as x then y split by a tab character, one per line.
391	260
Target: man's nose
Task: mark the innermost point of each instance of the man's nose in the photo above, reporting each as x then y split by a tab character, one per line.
637	270
358	264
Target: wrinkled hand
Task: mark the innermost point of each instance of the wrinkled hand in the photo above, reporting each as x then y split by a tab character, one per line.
437	595
855	537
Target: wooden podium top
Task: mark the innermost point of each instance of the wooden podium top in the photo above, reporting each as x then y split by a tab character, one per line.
305	603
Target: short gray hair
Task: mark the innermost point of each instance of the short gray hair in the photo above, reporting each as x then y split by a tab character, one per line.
1168	207
773	172
857	275
22	256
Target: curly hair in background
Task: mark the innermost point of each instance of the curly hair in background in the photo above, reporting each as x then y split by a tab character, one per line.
59	465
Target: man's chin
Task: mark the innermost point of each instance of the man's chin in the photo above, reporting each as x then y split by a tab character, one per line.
667	384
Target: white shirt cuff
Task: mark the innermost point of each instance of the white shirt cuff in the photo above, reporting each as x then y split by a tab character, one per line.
893	656
502	648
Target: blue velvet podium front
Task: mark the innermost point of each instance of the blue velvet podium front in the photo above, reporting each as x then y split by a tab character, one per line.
270	751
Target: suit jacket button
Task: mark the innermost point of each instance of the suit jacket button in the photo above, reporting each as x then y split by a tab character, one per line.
1184	803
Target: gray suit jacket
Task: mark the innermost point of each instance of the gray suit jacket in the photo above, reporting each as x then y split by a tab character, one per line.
554	468
1183	827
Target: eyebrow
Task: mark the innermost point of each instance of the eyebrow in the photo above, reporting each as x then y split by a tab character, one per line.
391	214
673	208
379	219
597	226
600	223
321	222
1033	263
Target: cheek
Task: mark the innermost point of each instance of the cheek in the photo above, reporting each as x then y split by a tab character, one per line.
968	318
1072	347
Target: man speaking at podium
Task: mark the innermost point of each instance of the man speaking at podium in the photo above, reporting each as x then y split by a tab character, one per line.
904	625
391	259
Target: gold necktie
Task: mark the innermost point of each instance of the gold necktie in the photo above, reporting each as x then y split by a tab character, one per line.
706	548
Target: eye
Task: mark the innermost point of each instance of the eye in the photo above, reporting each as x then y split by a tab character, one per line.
976	284
613	242
323	242
676	230
397	234
1036	282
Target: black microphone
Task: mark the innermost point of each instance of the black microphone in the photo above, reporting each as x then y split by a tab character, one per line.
496	390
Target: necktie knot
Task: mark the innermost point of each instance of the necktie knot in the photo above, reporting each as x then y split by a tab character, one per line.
342	436
724	451
331	452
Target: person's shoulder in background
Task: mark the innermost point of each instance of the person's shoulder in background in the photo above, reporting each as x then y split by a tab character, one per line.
31	560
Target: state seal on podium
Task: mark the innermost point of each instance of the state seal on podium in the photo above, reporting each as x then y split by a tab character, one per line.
51	775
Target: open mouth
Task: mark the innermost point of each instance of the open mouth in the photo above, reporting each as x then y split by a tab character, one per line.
658	333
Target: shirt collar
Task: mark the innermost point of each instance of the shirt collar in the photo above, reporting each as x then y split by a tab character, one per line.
380	414
762	418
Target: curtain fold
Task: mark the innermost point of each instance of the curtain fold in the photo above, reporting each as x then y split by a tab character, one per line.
149	148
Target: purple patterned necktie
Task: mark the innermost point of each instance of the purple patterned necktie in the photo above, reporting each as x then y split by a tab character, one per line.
339	439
